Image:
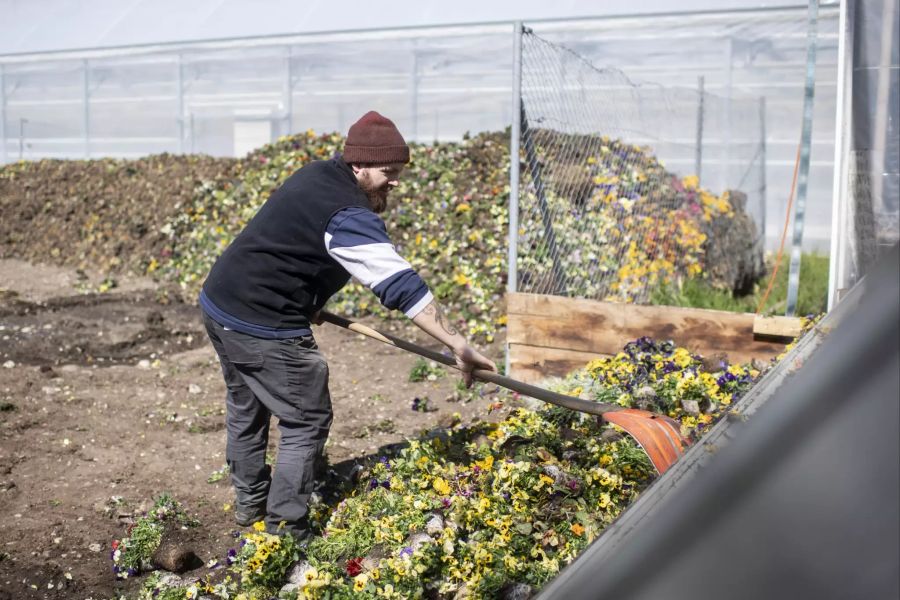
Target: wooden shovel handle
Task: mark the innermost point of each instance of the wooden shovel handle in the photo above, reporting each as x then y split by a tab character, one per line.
585	406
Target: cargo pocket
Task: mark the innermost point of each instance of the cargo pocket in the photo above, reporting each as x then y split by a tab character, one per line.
243	351
306	374
304	341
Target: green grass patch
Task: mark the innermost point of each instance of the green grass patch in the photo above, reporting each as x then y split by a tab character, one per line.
811	297
425	370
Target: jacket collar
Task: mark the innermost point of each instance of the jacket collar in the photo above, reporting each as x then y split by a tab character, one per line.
338	161
344	167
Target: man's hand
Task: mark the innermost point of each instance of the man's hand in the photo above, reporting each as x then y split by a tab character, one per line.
468	359
316	319
432	321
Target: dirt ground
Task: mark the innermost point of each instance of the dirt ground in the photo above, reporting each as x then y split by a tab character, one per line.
108	400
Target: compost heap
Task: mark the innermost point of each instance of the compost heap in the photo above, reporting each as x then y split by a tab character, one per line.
604	219
170	217
492	510
106	214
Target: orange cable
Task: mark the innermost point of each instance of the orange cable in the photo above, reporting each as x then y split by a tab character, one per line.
787	220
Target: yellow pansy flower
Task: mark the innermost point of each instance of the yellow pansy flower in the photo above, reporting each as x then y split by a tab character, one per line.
441	486
461	279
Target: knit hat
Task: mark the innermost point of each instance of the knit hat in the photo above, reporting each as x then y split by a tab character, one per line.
375	139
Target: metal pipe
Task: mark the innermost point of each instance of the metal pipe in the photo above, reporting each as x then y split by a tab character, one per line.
882	105
22	121
276	39
762	171
86	102
514	141
698	161
729	92
515	134
841	191
289	92
534	168
3	155
179	101
803	176
414	93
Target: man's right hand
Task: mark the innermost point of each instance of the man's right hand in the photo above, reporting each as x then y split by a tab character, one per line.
468	359
431	320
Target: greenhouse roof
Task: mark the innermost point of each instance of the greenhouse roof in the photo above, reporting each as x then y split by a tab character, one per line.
58	25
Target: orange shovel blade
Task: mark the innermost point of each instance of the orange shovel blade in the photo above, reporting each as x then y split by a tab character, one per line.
658	435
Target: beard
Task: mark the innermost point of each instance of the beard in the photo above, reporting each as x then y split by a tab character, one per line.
378	196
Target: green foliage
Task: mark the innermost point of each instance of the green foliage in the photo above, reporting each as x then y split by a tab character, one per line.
471	511
156	587
811	297
132	553
264	560
451	228
219	474
425	370
449	217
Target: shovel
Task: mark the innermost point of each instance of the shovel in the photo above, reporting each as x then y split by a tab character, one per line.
658	435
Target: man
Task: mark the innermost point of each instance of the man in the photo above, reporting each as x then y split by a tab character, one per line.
313	233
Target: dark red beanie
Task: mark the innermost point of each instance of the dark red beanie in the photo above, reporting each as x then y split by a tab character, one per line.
375	139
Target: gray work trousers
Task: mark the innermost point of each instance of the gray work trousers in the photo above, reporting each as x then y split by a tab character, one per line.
286	378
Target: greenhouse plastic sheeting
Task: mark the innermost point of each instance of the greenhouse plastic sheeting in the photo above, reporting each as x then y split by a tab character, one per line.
875	139
223	97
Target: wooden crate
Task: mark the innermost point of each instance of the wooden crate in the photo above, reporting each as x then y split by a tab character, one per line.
553	335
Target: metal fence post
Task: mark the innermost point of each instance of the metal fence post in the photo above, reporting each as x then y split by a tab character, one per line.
179	99
535	170
881	130
515	133
414	92
86	100
762	170
22	121
841	228
3	154
698	160
803	175
729	130
289	92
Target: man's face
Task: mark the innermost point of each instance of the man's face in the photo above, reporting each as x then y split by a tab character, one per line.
377	181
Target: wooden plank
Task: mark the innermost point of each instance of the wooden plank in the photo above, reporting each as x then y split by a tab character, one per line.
538	304
707	337
777	327
591	326
533	364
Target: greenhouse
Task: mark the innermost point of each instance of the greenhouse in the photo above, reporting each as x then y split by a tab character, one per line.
464	301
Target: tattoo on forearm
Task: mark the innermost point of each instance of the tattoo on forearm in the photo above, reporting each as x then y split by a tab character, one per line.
434	309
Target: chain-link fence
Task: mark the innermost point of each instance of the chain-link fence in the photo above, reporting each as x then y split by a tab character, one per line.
624	183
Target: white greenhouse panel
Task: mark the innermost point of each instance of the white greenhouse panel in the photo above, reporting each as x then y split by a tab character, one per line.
439	83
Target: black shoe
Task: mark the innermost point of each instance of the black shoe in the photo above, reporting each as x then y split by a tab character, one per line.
301	534
245	517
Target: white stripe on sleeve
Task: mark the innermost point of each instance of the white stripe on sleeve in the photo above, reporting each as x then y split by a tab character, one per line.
370	264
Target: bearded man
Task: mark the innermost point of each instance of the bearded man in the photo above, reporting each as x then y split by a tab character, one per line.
265	291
